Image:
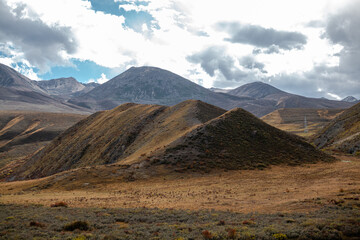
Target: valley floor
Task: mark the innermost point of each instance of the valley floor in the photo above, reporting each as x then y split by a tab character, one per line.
279	188
324	192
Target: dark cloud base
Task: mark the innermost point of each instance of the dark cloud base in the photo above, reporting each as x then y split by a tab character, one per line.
215	59
262	37
41	44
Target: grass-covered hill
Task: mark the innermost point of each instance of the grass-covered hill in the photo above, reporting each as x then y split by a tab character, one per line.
238	140
190	135
343	133
292	119
126	134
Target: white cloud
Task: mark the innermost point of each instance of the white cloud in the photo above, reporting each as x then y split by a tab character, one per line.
334	96
102	79
91	80
6	60
187	27
21	65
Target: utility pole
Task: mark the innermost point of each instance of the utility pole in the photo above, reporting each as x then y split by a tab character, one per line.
305	125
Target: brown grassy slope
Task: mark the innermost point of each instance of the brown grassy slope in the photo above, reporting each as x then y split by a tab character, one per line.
22	133
238	140
343	133
126	134
292	119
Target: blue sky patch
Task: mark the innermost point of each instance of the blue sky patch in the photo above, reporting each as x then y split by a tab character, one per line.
133	19
106	6
83	71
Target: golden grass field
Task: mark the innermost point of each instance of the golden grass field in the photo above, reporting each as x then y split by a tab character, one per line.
292	120
279	188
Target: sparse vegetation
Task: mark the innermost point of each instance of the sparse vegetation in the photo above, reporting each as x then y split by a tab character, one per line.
330	222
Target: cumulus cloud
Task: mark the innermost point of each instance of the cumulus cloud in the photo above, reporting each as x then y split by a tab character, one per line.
262	37
321	81
273	49
315	24
178	29
334	96
102	79
343	28
40	43
249	62
215	59
334	81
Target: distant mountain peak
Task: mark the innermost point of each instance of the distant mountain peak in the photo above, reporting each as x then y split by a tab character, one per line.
10	78
350	99
149	85
256	90
61	86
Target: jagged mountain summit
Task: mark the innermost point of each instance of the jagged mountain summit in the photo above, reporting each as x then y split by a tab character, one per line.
61	86
191	135
343	133
66	88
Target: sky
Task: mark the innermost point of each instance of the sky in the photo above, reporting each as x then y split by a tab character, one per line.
306	47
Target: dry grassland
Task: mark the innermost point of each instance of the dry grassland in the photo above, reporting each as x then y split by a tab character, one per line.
279	188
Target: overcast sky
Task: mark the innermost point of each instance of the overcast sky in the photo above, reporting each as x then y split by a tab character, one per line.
308	47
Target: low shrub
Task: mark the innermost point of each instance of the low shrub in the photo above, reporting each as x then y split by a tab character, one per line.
59	204
206	234
231	233
81	225
36	224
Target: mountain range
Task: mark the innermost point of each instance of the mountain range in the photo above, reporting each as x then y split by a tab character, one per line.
18	92
144	85
150	85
